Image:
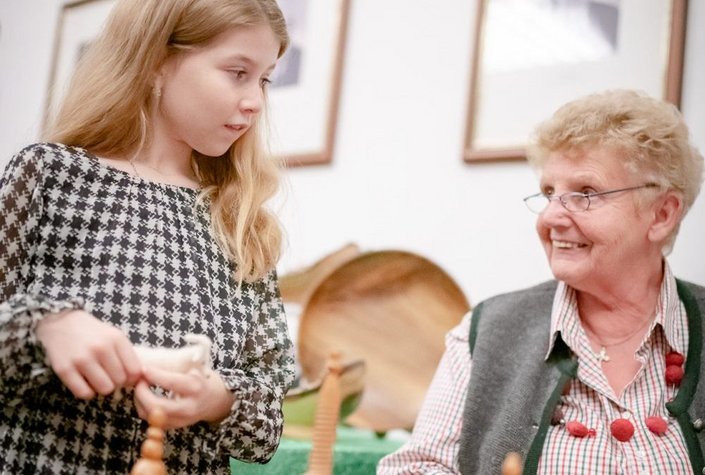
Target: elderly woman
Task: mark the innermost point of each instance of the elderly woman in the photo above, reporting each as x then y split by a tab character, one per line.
600	370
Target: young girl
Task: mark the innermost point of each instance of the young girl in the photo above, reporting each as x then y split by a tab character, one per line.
141	220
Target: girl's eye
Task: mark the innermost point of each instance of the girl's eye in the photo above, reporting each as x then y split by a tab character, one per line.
264	82
238	73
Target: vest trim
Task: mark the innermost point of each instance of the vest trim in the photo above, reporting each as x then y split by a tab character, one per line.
683	400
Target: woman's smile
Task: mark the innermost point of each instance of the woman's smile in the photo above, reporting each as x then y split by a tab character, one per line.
567	244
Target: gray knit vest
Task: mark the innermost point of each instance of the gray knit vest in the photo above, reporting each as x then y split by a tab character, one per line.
513	391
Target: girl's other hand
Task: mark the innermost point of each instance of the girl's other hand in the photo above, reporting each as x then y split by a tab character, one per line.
194	396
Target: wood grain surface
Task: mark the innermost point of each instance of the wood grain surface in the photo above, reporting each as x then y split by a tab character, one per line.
391	309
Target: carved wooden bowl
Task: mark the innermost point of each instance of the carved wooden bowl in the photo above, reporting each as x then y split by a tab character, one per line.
391	309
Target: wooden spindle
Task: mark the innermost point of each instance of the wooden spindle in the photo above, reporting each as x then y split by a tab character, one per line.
320	461
150	461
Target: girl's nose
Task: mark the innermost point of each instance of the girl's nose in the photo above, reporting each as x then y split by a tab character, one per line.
253	101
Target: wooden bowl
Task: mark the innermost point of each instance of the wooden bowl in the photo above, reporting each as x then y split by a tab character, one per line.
391	309
297	286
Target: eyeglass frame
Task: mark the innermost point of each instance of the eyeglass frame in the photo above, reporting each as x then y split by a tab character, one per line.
586	196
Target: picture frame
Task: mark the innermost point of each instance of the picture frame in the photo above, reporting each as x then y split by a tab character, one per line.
303	112
303	99
610	44
80	21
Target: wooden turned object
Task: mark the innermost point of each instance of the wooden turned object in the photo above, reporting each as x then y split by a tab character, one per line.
150	461
320	461
512	464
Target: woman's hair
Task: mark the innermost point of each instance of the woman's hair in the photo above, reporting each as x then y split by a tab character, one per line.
650	135
109	100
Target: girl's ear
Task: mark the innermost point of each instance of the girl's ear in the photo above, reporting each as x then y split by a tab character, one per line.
159	77
157	83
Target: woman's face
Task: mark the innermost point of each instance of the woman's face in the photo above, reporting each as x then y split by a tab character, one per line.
212	95
608	241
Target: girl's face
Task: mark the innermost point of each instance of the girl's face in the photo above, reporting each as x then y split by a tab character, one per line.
210	96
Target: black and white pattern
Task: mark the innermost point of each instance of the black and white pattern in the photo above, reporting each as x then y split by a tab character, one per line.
75	233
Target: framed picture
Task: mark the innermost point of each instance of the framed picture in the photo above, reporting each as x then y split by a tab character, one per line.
531	56
305	90
80	22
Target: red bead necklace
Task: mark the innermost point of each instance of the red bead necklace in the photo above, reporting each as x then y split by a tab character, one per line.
622	429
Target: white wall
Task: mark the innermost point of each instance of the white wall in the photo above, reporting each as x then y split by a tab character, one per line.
397	179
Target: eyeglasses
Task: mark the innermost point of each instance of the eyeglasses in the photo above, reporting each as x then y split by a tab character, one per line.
574	201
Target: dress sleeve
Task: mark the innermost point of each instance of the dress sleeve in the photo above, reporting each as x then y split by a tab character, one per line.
433	445
21	205
252	431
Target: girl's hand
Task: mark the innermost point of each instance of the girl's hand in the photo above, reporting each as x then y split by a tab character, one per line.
195	397
89	356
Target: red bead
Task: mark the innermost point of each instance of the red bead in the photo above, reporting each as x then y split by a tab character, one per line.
576	429
622	429
674	358
674	375
657	425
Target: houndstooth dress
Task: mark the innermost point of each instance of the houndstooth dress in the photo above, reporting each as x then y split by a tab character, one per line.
75	233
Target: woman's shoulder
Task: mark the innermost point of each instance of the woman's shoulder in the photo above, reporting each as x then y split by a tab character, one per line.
522	297
696	289
519	312
529	303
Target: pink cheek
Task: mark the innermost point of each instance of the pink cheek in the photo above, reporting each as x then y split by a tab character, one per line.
541	230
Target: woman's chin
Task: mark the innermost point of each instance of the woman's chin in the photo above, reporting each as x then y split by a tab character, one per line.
568	272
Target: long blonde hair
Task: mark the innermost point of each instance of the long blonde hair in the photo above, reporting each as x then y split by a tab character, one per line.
109	100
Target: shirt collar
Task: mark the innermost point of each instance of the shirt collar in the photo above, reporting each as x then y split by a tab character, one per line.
565	319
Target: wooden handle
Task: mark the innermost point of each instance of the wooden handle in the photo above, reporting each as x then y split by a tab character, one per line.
512	464
150	462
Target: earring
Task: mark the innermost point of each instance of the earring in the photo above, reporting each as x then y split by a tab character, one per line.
157	91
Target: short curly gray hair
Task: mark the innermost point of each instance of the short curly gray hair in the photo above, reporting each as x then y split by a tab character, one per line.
650	134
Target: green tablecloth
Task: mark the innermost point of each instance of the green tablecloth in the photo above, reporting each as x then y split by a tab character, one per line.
356	453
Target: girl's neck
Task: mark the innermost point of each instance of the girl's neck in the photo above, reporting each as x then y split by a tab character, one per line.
165	163
174	160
